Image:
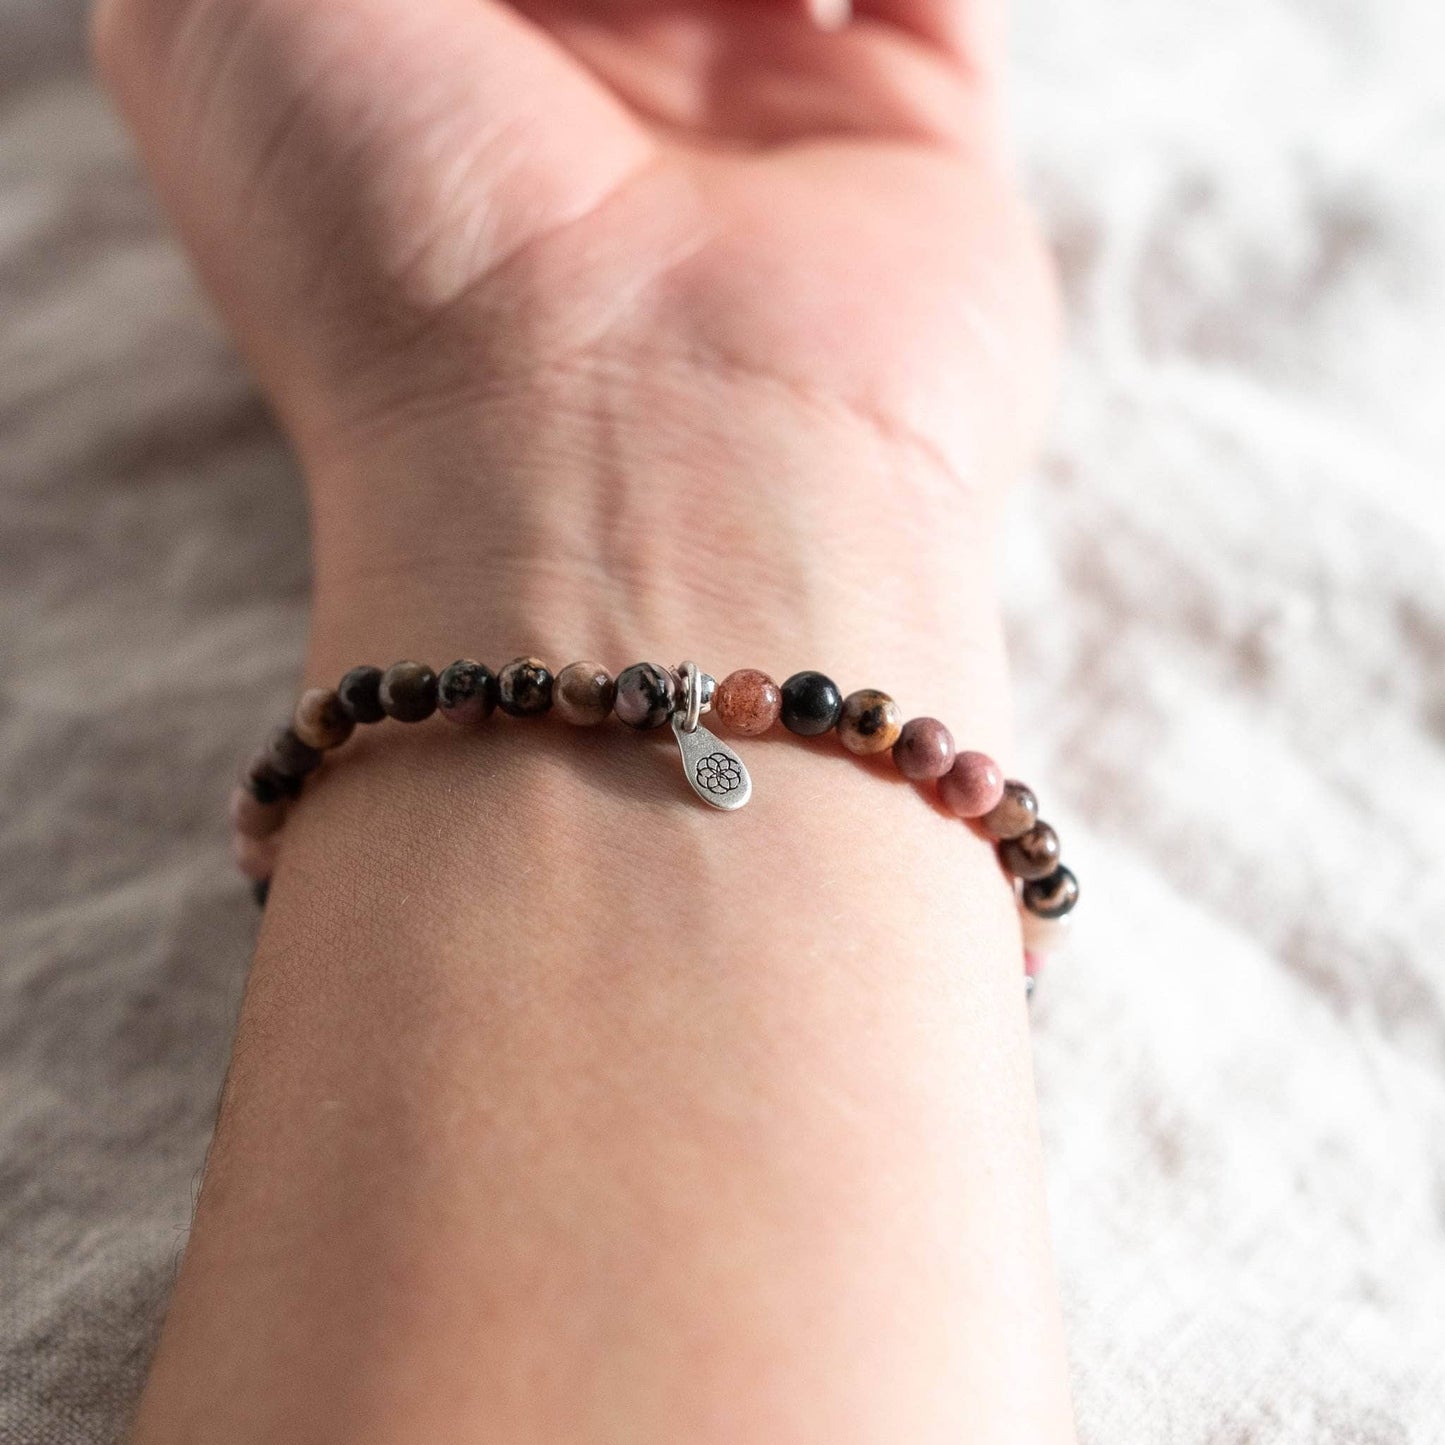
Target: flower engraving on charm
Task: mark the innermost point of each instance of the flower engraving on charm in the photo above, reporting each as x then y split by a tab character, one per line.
719	774
713	770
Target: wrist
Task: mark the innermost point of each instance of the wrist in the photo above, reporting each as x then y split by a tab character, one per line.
696	514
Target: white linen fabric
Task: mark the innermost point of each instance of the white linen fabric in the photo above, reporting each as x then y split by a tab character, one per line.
1228	616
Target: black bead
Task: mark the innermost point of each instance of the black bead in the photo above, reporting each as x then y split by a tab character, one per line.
1054	896
261	891
812	704
289	756
360	694
409	691
468	686
524	688
265	784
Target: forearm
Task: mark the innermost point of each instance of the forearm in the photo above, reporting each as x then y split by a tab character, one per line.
596	1115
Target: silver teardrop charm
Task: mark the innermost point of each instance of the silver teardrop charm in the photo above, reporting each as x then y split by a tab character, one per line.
714	770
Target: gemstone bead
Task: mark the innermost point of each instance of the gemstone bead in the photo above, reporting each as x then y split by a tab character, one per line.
255	857
289	756
811	704
972	786
1014	813
264	783
466	692
645	695
409	691
870	722
1053	896
253	818
747	702
1032	855
360	694
583	694
524	687
924	749
320	720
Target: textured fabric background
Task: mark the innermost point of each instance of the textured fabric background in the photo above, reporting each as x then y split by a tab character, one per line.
1230	644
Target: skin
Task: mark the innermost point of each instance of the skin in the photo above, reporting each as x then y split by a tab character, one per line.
561	1107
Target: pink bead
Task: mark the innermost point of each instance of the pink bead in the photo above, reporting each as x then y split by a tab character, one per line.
253	819
972	786
924	749
255	857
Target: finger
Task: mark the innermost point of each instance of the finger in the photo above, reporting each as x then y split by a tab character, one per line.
330	160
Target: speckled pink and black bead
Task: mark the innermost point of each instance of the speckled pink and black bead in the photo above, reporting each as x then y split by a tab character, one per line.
466	692
924	749
645	695
870	722
972	786
524	687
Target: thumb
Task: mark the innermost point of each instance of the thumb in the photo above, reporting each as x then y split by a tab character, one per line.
339	167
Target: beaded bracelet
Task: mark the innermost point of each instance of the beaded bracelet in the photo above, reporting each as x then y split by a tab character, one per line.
970	785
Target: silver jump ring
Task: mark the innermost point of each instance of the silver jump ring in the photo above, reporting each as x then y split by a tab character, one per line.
691	696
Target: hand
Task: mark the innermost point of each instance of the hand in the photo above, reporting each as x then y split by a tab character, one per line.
543	295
